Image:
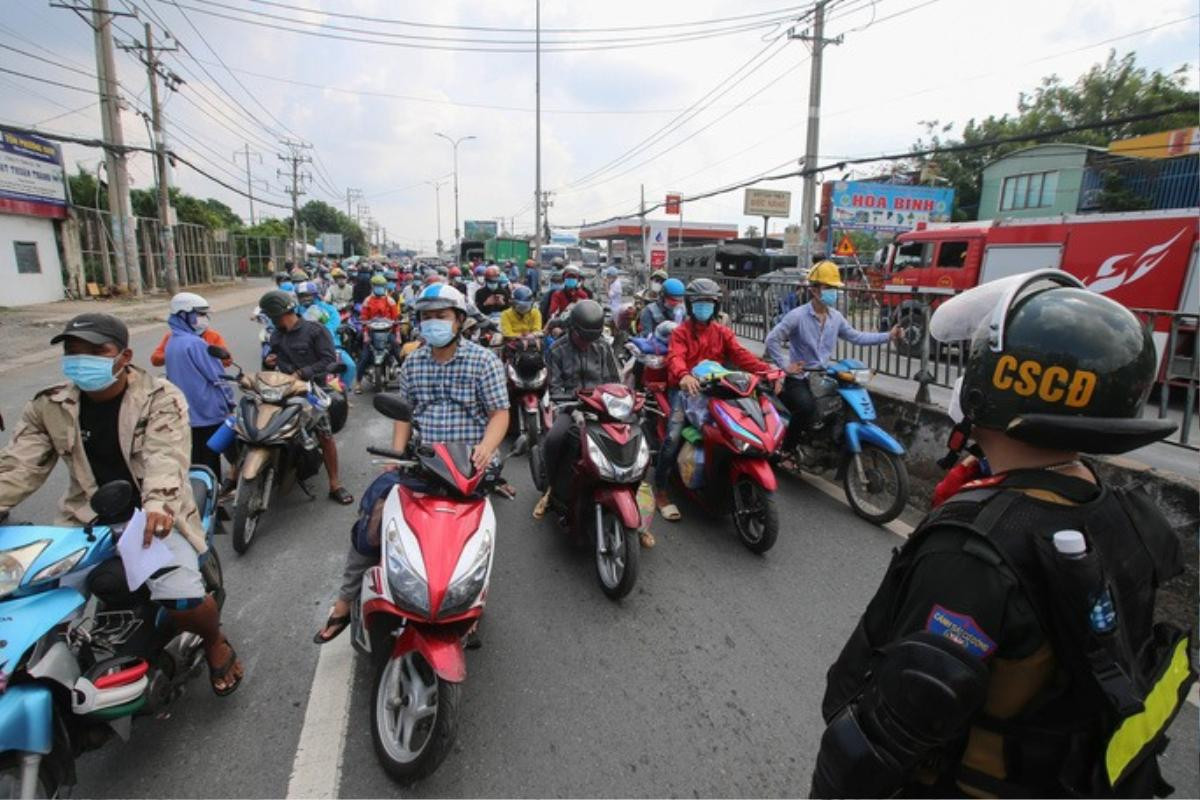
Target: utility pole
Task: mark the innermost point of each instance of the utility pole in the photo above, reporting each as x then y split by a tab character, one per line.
454	144
812	144
545	204
154	69
537	90
295	156
351	196
642	228
128	273
437	195
246	153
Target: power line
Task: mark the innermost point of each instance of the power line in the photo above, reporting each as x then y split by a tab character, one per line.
46	81
323	33
661	26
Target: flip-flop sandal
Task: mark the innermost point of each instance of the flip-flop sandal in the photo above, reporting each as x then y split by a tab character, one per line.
340	495
220	672
338	624
670	513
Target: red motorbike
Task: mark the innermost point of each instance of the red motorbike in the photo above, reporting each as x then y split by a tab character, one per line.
733	429
437	535
525	366
597	497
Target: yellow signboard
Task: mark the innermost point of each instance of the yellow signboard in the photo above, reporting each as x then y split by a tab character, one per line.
1164	144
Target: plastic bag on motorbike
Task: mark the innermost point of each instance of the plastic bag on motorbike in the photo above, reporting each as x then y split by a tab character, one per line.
695	409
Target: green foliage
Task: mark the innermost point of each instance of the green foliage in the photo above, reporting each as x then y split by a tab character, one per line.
324	218
1115	88
752	232
84	185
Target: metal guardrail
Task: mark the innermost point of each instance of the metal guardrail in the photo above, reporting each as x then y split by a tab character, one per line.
755	306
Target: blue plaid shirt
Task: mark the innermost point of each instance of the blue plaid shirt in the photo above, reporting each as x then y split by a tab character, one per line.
451	402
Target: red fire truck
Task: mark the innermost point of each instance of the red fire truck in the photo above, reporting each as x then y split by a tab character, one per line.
1143	260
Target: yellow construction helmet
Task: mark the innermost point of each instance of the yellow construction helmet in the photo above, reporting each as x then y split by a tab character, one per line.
825	273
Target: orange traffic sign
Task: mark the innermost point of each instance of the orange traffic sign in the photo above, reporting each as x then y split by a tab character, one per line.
845	247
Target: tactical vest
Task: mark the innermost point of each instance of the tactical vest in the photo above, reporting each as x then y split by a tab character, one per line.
1097	727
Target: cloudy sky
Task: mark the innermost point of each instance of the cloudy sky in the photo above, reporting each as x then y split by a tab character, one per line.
698	103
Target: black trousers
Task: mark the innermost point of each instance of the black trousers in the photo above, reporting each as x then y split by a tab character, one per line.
800	403
561	450
200	452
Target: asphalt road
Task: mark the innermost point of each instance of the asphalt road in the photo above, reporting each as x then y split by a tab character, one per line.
706	681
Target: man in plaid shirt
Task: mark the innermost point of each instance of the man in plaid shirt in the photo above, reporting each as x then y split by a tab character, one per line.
458	394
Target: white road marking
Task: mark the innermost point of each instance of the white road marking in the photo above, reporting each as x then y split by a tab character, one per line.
317	768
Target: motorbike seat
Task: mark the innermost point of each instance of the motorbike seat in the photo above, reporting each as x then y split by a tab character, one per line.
199	492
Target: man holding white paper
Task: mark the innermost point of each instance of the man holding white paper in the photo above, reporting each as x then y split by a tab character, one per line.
113	421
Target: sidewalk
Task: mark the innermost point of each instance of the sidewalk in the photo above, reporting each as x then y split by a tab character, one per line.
24	331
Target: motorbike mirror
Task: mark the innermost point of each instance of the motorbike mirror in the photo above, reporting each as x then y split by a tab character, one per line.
217	351
393	406
111	499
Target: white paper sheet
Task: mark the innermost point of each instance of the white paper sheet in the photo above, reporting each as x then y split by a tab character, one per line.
141	562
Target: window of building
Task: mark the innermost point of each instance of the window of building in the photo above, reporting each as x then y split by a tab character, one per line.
952	254
27	258
1032	190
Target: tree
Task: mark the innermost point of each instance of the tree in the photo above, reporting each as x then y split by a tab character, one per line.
752	232
87	191
1116	88
324	218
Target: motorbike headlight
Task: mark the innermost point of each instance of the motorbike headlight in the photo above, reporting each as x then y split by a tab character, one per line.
406	569
863	376
620	408
470	574
603	466
14	562
641	461
653	362
271	394
60	567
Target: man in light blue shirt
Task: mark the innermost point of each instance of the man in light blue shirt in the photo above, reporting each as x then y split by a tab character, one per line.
811	332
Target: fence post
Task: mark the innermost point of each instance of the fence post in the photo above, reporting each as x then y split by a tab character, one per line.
924	377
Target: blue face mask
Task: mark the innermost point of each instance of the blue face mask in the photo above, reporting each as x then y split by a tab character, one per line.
570	283
89	373
437	332
703	310
378	291
493	285
829	297
391	286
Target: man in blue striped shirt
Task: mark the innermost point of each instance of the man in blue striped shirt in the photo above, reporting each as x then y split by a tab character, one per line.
811	332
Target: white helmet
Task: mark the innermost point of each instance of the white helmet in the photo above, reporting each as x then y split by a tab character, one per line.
439	295
187	301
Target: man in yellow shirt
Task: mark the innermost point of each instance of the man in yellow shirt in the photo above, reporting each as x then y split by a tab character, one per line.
522	317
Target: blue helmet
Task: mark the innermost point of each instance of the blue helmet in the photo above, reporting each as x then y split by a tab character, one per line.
522	299
673	287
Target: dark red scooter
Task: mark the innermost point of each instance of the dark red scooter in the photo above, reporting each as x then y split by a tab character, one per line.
598	496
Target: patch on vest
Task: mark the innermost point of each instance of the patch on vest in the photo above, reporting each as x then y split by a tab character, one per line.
961	629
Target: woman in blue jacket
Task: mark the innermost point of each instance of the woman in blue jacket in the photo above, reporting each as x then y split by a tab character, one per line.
198	375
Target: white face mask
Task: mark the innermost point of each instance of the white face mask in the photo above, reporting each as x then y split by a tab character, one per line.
202	323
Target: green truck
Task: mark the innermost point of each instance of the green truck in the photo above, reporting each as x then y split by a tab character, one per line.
501	250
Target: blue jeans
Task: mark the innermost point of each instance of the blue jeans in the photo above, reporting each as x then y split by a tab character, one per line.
669	450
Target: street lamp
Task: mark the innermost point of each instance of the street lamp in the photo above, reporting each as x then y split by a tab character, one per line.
455	143
437	193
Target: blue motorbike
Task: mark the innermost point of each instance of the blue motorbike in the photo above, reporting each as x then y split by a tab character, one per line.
80	655
844	437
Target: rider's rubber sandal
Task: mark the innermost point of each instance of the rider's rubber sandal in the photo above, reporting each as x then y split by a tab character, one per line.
340	495
670	513
338	624
220	672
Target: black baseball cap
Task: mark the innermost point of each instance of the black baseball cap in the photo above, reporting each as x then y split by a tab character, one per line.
97	329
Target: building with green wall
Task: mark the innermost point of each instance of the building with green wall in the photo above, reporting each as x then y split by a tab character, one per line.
1038	181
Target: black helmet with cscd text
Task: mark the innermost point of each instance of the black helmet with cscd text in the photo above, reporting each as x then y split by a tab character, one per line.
1052	364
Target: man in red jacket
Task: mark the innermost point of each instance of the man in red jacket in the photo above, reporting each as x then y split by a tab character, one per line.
570	293
697	339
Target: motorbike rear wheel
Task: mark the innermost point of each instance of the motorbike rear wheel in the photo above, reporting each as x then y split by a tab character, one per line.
882	495
414	716
251	502
755	516
616	555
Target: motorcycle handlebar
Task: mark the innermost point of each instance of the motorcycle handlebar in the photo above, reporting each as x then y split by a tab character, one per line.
394	455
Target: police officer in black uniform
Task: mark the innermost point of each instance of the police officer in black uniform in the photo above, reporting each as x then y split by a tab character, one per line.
1011	649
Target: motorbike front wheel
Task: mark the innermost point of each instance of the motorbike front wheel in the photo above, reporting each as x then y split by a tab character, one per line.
253	497
755	516
616	555
414	716
879	492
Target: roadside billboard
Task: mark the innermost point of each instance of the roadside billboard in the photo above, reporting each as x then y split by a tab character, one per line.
477	230
31	176
673	203
887	208
767	203
330	244
657	243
